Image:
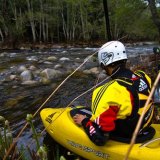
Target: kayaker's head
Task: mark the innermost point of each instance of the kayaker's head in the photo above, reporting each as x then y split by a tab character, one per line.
111	56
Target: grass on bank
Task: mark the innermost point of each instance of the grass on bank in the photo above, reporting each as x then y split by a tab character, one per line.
6	139
23	152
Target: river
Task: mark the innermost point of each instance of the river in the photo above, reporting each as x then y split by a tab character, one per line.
18	99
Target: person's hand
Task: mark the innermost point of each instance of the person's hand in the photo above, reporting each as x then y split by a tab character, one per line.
78	118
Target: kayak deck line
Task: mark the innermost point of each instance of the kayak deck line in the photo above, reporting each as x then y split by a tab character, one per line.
156	141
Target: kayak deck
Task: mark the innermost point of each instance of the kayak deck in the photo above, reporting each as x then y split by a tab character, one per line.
61	127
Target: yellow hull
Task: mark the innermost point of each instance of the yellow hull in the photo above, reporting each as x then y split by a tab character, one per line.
60	126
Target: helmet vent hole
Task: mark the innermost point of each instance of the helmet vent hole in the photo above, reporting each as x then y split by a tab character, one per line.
124	52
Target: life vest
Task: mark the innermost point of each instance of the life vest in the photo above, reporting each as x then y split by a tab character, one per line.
140	88
129	95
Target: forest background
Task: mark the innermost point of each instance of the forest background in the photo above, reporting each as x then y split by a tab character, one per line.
77	21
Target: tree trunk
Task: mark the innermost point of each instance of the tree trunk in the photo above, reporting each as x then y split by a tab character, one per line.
58	22
43	21
31	19
40	30
20	14
47	32
40	23
43	29
82	21
2	36
68	22
33	31
64	25
14	10
57	27
105	6
155	15
5	18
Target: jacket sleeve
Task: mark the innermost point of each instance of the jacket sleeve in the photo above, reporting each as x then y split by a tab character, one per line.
94	132
98	131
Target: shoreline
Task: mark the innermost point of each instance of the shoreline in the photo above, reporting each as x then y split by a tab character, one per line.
30	46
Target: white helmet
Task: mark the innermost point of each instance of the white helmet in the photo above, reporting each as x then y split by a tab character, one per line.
111	52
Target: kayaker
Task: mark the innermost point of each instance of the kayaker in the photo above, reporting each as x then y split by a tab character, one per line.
118	104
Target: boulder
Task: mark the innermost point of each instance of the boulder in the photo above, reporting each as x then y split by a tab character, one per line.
50	73
22	68
52	58
26	75
94	70
64	59
30	82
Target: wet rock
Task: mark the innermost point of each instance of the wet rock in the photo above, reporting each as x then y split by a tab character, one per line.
94	70
78	60
90	62
3	54
47	62
76	65
12	77
89	65
64	59
32	68
64	52
91	49
87	71
50	73
30	82
45	80
41	61
21	69
13	54
32	58
26	75
22	48
58	66
14	87
91	59
52	58
102	74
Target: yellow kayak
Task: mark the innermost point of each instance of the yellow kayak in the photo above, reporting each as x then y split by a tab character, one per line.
61	127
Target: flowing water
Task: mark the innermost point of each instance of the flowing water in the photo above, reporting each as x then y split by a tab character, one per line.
17	99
